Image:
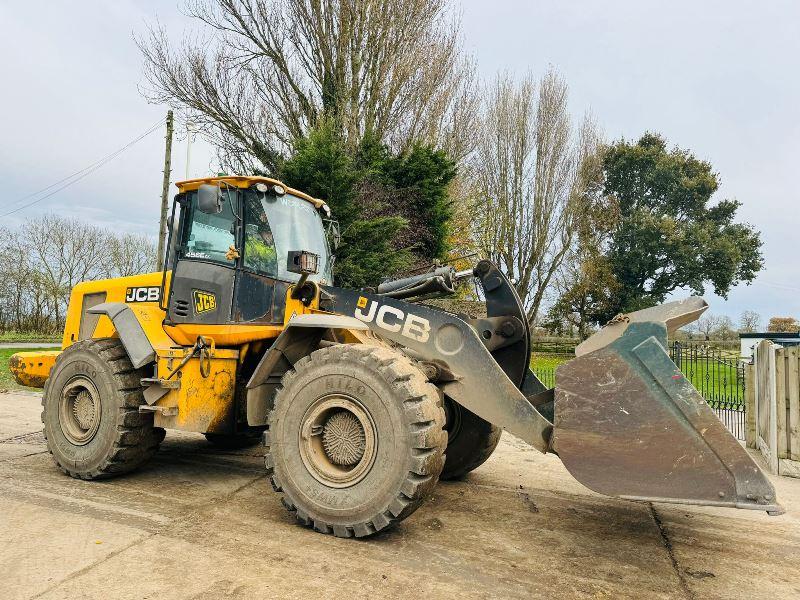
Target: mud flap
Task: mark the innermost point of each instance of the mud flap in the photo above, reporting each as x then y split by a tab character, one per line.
627	423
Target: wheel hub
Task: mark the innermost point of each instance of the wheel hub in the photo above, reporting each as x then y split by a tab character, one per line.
79	410
338	441
343	439
83	408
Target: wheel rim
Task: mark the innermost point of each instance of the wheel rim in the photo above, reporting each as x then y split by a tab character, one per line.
338	440
79	410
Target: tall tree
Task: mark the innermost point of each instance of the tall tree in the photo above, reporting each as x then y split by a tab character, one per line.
585	285
393	209
669	235
263	73
527	172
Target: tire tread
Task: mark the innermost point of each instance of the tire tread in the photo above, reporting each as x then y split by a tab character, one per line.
136	439
422	404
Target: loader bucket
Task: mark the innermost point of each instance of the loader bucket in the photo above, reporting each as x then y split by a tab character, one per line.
627	423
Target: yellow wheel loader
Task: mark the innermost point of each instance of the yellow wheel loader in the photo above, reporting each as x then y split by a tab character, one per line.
364	399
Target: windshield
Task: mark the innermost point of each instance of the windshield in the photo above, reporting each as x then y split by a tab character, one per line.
288	222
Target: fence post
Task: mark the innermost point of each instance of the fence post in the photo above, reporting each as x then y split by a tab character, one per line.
750	405
793	396
765	403
781	439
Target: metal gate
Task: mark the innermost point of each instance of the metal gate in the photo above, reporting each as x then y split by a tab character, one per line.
719	377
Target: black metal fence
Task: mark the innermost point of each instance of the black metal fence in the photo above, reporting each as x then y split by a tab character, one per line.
716	373
719	377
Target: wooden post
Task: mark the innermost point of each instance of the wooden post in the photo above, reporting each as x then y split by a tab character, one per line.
793	373
750	405
162	227
781	439
772	441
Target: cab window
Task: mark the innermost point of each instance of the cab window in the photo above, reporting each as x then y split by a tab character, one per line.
209	237
259	244
276	225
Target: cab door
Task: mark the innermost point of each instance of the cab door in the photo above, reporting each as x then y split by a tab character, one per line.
204	273
255	299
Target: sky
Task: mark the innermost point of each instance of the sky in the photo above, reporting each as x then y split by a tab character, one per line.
720	78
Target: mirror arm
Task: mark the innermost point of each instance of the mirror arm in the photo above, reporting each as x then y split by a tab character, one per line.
297	290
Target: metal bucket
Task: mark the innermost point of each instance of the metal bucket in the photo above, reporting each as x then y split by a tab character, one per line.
627	423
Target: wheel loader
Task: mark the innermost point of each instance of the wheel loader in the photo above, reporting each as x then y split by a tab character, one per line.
364	399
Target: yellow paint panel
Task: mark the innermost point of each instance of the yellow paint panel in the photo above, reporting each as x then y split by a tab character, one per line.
32	368
115	290
223	335
201	404
244	181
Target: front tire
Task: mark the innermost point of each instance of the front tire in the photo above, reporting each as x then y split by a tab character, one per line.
91	416
356	440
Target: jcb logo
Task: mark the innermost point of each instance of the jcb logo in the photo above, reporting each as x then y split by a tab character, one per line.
393	319
142	294
204	302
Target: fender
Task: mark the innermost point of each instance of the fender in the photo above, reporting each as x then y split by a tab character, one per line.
480	385
300	337
133	337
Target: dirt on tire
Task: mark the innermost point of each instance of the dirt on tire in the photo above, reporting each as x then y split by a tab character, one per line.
125	438
408	417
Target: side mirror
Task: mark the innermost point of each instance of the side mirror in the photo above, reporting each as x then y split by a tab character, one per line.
209	199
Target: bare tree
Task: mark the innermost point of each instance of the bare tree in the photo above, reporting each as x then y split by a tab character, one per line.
725	329
749	322
47	256
65	252
528	179
707	324
130	254
266	71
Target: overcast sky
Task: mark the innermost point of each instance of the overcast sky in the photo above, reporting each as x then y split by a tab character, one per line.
720	78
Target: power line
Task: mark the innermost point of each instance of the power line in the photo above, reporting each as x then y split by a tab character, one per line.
78	175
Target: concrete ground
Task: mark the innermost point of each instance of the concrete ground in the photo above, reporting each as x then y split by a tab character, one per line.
203	523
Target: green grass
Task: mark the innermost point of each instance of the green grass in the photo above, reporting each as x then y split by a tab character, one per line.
7	382
544	366
28	336
548	361
715	380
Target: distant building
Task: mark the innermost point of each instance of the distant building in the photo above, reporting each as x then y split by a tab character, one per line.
748	340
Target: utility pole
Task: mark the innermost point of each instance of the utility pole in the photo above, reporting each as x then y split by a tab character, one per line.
162	229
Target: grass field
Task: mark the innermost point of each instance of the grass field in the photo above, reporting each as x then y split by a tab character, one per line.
6	380
26	336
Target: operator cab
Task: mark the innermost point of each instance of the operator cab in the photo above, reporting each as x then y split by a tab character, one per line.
233	247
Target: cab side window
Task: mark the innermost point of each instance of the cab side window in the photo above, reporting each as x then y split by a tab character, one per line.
259	245
209	237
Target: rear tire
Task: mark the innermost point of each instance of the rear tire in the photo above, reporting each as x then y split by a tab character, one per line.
356	440
471	441
91	416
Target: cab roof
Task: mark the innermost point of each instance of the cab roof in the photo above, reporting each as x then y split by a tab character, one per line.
244	181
